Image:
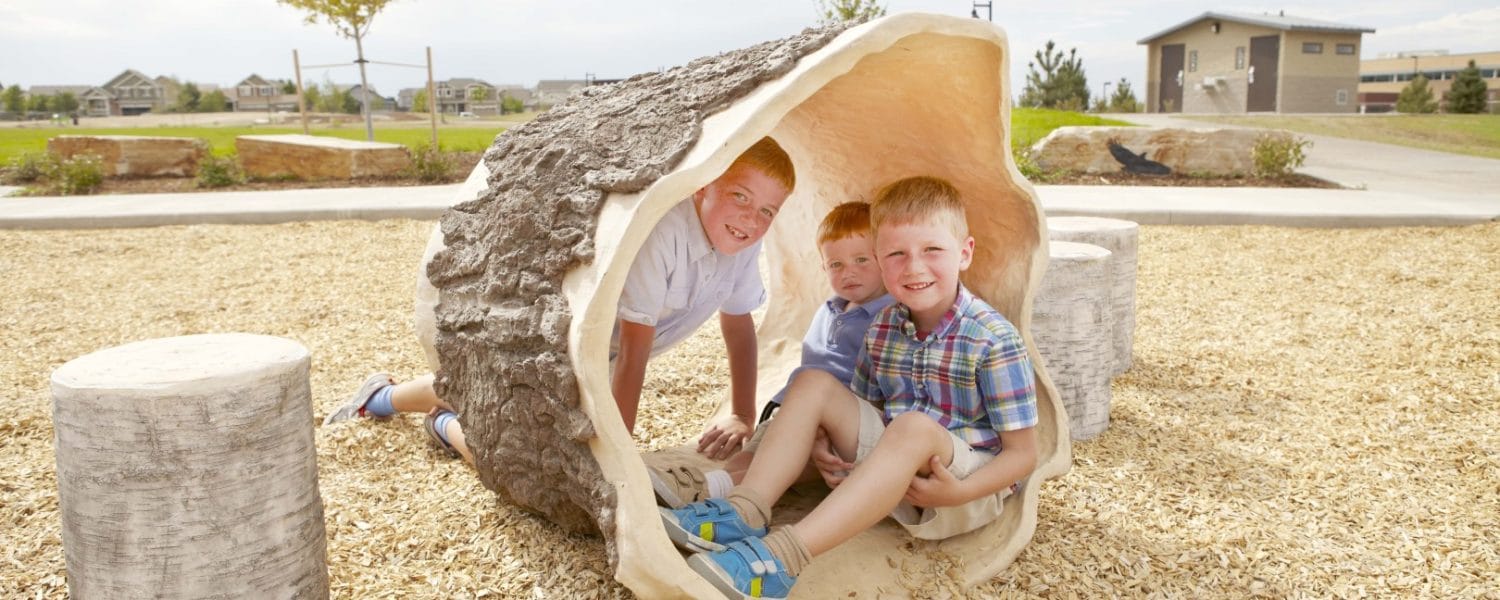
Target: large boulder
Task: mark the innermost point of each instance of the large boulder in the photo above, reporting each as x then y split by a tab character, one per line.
527	275
1224	151
135	155
318	157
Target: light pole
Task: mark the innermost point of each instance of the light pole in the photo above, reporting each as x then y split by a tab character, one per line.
989	8
1104	95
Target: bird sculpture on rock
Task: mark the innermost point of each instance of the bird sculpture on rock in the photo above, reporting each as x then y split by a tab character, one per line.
1136	163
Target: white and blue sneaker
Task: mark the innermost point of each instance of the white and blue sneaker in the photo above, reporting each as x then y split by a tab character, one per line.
707	526
744	569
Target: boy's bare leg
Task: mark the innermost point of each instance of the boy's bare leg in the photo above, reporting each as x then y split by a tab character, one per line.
455	434
417	396
739	464
878	484
815	399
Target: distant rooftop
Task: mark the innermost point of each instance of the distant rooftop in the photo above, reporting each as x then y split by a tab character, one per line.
1277	21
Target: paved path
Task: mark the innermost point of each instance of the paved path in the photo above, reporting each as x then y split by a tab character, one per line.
1377	167
1148	205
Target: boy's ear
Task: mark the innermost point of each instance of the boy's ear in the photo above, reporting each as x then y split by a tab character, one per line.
698	195
966	253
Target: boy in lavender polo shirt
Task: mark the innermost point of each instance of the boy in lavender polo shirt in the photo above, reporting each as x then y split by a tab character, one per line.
830	346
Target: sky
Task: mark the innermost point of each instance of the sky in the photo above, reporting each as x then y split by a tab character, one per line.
62	42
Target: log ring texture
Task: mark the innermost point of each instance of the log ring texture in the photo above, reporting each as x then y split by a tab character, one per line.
520	292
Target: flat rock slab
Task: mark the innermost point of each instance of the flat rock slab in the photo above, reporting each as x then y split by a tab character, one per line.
135	155
317	157
1186	151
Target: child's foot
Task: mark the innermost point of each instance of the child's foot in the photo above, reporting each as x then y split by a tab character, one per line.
677	486
355	406
706	526
434	424
744	569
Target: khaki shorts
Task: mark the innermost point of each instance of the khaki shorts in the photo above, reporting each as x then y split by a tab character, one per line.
760	432
936	523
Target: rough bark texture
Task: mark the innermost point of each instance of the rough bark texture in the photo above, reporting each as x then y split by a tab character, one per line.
135	156
1072	323
1120	238
186	469
317	157
502	319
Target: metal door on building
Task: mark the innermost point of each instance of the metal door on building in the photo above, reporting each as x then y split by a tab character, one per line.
1265	53
1169	91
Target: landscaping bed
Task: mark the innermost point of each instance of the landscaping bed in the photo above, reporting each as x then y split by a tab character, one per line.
1311	414
1295	180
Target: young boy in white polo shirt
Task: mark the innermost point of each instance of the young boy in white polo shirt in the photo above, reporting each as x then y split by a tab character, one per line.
701	258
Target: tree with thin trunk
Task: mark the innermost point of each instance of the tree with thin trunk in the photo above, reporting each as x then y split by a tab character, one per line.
1056	80
351	18
839	11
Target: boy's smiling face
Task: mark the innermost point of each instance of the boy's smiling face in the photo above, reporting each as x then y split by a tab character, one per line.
736	209
919	263
852	269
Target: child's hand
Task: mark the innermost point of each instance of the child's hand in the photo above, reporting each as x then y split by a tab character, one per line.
828	463
938	488
725	436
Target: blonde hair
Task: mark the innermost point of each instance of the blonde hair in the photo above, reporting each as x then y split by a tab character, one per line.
845	221
920	199
767	157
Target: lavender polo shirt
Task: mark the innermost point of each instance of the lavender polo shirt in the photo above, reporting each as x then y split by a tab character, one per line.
834	338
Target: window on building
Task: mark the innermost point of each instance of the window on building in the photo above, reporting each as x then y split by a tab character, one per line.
1239	58
1312	47
265	90
1344	48
1341	97
1192	61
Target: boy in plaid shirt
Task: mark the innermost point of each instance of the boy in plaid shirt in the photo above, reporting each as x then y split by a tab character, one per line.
938	421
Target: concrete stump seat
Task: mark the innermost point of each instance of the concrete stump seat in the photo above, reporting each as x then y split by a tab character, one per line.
135	155
1121	239
186	469
1071	322
318	157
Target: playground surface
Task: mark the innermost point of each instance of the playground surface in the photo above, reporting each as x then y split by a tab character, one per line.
1310	414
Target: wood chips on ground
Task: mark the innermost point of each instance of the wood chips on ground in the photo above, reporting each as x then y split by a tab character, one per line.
1312	413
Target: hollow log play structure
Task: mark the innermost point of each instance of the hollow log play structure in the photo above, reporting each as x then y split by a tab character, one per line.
526	275
186	469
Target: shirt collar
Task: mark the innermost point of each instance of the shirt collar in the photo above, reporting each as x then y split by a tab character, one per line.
836	304
945	325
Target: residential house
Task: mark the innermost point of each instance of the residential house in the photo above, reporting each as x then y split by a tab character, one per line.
379	102
1226	63
258	94
130	93
1382	79
466	94
553	91
523	94
53	90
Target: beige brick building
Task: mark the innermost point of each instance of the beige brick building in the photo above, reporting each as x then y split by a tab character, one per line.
1381	79
1227	63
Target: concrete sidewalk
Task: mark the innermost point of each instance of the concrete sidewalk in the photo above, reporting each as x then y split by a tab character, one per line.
1146	205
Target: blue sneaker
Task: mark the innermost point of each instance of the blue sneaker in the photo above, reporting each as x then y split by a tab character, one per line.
744	569
707	525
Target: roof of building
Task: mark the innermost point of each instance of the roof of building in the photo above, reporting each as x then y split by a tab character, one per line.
1277	21
53	90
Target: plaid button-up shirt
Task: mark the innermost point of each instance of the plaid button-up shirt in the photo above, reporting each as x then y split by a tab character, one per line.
971	374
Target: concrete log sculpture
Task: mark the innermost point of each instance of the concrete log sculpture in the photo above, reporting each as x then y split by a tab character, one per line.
527	275
1121	239
186	469
1071	322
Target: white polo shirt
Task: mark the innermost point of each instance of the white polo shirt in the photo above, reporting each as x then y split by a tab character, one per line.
678	281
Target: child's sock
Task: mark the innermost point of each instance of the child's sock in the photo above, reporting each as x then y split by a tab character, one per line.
719	483
440	425
379	404
750	507
788	548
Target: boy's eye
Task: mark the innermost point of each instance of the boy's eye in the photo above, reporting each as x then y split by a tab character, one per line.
835	265
933	249
740	198
770	214
861	260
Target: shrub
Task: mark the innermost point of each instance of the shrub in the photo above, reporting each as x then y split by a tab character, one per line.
1278	154
215	172
79	175
1416	97
1025	158
30	168
430	164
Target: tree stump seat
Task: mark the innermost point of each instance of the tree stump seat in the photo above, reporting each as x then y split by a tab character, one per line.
1072	322
1121	239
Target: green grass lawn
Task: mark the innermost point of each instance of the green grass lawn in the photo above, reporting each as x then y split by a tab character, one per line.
1475	135
17	141
1028	125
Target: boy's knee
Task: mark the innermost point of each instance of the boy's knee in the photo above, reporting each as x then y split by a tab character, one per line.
915	426
813	385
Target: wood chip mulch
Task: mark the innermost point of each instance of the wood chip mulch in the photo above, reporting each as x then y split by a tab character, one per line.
1312	413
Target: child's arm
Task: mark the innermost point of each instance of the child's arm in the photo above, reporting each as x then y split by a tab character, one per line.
630	368
1012	464
725	436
